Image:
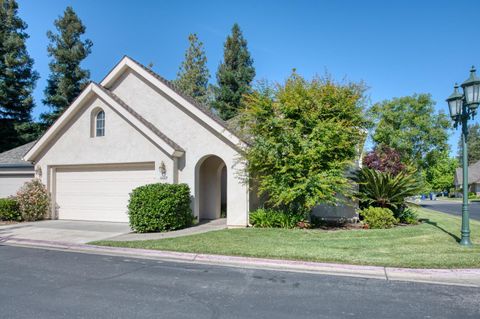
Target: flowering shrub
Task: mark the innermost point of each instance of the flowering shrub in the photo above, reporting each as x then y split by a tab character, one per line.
33	200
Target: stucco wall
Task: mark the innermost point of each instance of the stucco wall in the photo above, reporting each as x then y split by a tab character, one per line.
196	138
11	179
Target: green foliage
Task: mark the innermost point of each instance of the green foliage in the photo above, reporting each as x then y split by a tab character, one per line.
234	76
440	175
268	218
193	74
304	136
9	209
408	216
33	200
378	217
67	50
17	77
382	189
473	145
160	207
411	125
472	195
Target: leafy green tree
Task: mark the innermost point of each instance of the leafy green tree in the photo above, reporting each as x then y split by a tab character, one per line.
234	76
473	144
303	135
17	77
67	78
440	176
193	74
411	125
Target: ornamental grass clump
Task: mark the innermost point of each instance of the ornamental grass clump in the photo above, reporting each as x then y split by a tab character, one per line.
33	200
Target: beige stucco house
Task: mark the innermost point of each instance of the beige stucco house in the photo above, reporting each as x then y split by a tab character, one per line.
133	129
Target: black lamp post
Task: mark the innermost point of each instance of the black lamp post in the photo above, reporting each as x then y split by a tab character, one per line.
463	107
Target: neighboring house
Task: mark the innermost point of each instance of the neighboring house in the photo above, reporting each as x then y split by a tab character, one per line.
132	129
473	178
14	171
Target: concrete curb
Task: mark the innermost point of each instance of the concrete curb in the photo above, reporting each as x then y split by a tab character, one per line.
459	277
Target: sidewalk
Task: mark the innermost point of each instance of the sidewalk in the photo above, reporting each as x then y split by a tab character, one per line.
461	277
202	227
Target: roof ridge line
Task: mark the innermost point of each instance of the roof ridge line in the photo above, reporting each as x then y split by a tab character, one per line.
203	108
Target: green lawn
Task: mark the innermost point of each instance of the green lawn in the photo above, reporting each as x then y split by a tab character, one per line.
432	244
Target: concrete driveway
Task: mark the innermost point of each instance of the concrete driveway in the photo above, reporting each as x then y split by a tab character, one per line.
64	231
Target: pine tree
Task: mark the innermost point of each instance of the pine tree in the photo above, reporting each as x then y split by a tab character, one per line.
17	78
193	74
234	76
67	79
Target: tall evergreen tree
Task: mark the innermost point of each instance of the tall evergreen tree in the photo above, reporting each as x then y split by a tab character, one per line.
17	78
67	49
473	145
193	74
234	76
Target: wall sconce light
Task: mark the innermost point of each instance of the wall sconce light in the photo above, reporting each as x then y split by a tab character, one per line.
38	171
163	170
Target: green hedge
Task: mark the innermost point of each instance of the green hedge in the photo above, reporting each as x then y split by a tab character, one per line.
160	207
269	218
378	217
9	209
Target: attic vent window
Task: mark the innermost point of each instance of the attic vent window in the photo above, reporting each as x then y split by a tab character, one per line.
100	124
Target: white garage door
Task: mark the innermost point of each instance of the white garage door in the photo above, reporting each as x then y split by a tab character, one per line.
99	193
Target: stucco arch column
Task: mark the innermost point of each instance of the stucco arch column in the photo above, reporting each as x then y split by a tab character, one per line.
237	195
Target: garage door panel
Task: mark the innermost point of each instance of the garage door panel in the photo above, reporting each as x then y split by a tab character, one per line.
99	193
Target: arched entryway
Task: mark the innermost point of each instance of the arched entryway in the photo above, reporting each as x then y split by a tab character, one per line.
211	188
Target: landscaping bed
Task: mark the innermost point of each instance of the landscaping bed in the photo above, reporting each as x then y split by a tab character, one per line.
431	244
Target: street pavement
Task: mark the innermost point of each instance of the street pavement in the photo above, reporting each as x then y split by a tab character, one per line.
452	207
40	283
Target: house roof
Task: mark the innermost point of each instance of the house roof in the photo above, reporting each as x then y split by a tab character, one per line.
115	102
13	157
200	111
473	174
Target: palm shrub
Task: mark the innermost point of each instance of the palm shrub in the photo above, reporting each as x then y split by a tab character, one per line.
383	189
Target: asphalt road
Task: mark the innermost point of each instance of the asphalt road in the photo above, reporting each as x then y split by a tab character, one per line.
38	283
452	207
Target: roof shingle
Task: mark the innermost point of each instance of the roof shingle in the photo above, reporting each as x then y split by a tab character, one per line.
14	156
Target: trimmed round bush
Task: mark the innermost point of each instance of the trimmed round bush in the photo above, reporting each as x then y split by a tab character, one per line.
9	210
378	217
33	200
160	207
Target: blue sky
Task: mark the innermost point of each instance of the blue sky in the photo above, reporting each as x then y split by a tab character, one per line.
396	47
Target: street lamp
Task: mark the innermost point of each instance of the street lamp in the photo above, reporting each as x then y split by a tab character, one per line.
463	107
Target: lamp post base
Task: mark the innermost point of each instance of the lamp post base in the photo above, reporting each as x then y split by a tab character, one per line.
465	241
